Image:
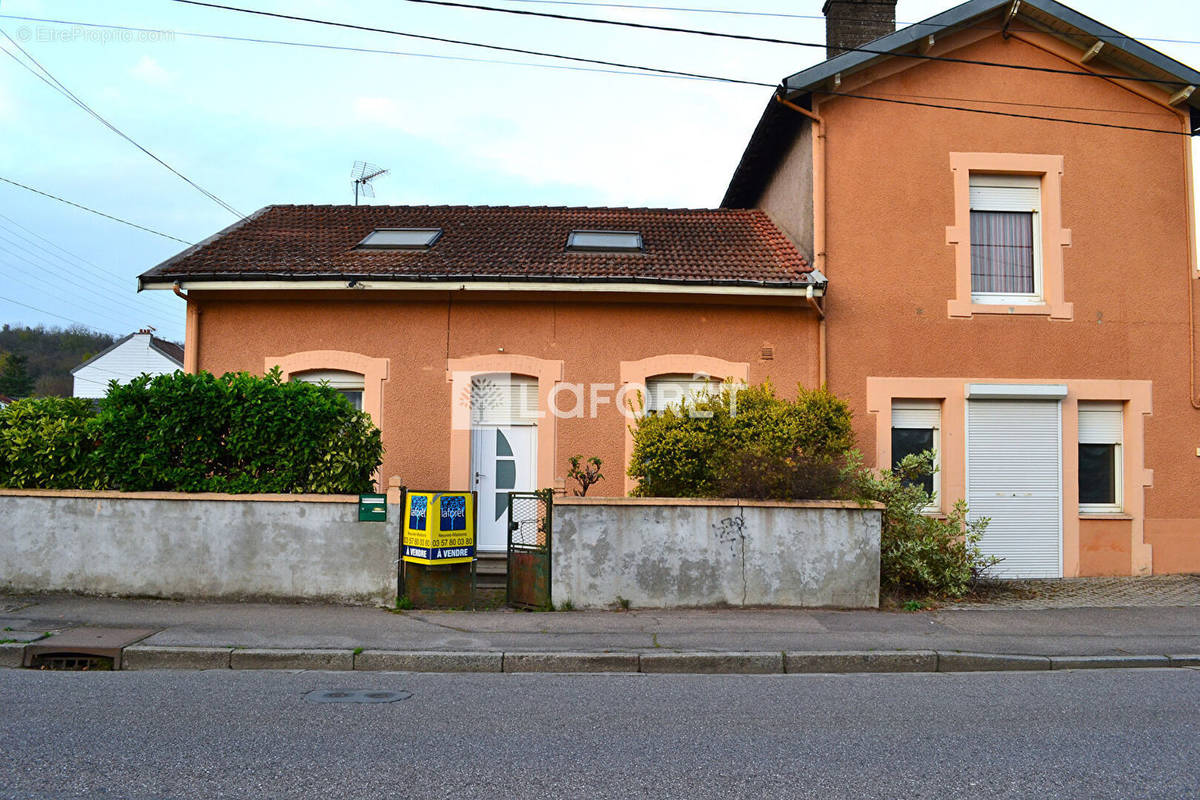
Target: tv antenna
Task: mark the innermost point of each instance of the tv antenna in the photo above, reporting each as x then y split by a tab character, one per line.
363	173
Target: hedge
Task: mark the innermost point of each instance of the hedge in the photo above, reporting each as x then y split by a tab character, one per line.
236	433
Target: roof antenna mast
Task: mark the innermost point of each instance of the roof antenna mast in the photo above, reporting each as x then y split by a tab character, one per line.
363	173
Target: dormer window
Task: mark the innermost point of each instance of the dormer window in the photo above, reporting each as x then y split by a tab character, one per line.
605	241
400	239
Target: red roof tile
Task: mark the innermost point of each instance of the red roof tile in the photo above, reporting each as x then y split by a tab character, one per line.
722	246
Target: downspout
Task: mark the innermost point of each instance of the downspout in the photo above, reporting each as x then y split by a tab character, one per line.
1192	274
818	227
191	335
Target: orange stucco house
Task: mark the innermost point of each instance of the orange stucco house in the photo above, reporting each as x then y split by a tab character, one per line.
1016	291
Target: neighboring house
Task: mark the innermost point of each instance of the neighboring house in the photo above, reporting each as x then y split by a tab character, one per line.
458	327
5	401
1007	290
1018	293
124	360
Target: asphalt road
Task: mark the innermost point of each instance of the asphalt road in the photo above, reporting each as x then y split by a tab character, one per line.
1079	734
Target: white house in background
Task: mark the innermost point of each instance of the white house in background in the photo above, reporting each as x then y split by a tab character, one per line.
124	360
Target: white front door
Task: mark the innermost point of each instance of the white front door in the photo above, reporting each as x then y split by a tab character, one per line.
503	459
1014	476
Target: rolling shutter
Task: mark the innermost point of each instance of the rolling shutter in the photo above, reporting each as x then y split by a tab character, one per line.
1014	477
916	414
1100	423
504	399
1006	193
673	390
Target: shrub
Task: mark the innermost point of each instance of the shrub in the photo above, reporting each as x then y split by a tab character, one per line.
48	443
743	442
236	433
585	473
919	554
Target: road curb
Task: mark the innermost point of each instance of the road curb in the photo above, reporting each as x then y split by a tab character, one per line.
989	662
12	654
265	658
1108	662
799	662
708	663
428	661
571	662
146	656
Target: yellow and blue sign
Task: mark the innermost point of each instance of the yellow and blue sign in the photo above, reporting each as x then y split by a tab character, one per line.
439	527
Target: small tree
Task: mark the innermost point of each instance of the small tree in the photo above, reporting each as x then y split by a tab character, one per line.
586	474
919	553
15	380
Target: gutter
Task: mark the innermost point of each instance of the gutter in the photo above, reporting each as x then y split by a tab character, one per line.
819	216
255	282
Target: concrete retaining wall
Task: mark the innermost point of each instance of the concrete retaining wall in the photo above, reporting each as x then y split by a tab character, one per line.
662	553
162	544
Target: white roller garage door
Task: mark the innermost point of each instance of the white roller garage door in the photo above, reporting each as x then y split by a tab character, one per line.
1014	476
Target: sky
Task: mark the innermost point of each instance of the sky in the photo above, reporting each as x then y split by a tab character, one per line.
256	123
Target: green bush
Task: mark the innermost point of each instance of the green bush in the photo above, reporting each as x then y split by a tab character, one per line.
742	442
919	554
193	433
236	433
48	443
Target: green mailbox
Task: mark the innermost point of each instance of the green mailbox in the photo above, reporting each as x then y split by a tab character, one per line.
372	508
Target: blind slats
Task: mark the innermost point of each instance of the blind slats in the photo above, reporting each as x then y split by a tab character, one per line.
1100	423
1005	193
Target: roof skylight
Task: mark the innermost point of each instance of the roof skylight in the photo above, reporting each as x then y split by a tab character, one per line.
605	241
401	239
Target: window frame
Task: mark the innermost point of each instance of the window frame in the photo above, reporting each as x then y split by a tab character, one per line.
933	406
1016	182
1051	237
1118	456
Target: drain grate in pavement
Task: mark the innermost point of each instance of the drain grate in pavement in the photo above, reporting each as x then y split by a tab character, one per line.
355	696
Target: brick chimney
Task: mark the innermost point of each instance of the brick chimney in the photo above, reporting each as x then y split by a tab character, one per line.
851	23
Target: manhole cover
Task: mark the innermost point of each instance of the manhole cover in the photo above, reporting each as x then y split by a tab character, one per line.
355	696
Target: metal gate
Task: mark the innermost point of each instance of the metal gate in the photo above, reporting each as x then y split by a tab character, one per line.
529	531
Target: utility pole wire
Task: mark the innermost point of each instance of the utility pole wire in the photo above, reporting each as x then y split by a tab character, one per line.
58	86
98	213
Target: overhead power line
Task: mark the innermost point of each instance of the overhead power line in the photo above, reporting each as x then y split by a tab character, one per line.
446	40
94	211
53	314
632	72
781	15
46	77
995	113
764	39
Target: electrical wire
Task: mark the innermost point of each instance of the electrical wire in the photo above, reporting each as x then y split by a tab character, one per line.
781	15
368	50
51	313
57	85
94	211
501	48
993	112
745	38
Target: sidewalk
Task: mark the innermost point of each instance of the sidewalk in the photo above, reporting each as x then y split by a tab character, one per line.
345	637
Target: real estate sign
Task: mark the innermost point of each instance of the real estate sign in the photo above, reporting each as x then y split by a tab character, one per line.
439	527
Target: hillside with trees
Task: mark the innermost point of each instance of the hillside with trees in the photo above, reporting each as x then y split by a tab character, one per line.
39	360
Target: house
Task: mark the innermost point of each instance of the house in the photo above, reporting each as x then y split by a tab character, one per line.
5	401
1015	291
459	329
124	360
1004	288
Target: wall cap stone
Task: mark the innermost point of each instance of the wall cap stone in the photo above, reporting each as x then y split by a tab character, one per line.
721	502
219	496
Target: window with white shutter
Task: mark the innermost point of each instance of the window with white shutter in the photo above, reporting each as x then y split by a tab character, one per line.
916	427
348	384
1006	239
677	390
1101	426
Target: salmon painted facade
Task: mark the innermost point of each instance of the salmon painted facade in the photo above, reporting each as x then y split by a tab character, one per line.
1016	292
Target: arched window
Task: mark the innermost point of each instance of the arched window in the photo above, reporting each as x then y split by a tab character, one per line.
348	384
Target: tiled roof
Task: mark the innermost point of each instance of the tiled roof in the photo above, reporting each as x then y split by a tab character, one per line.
508	243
